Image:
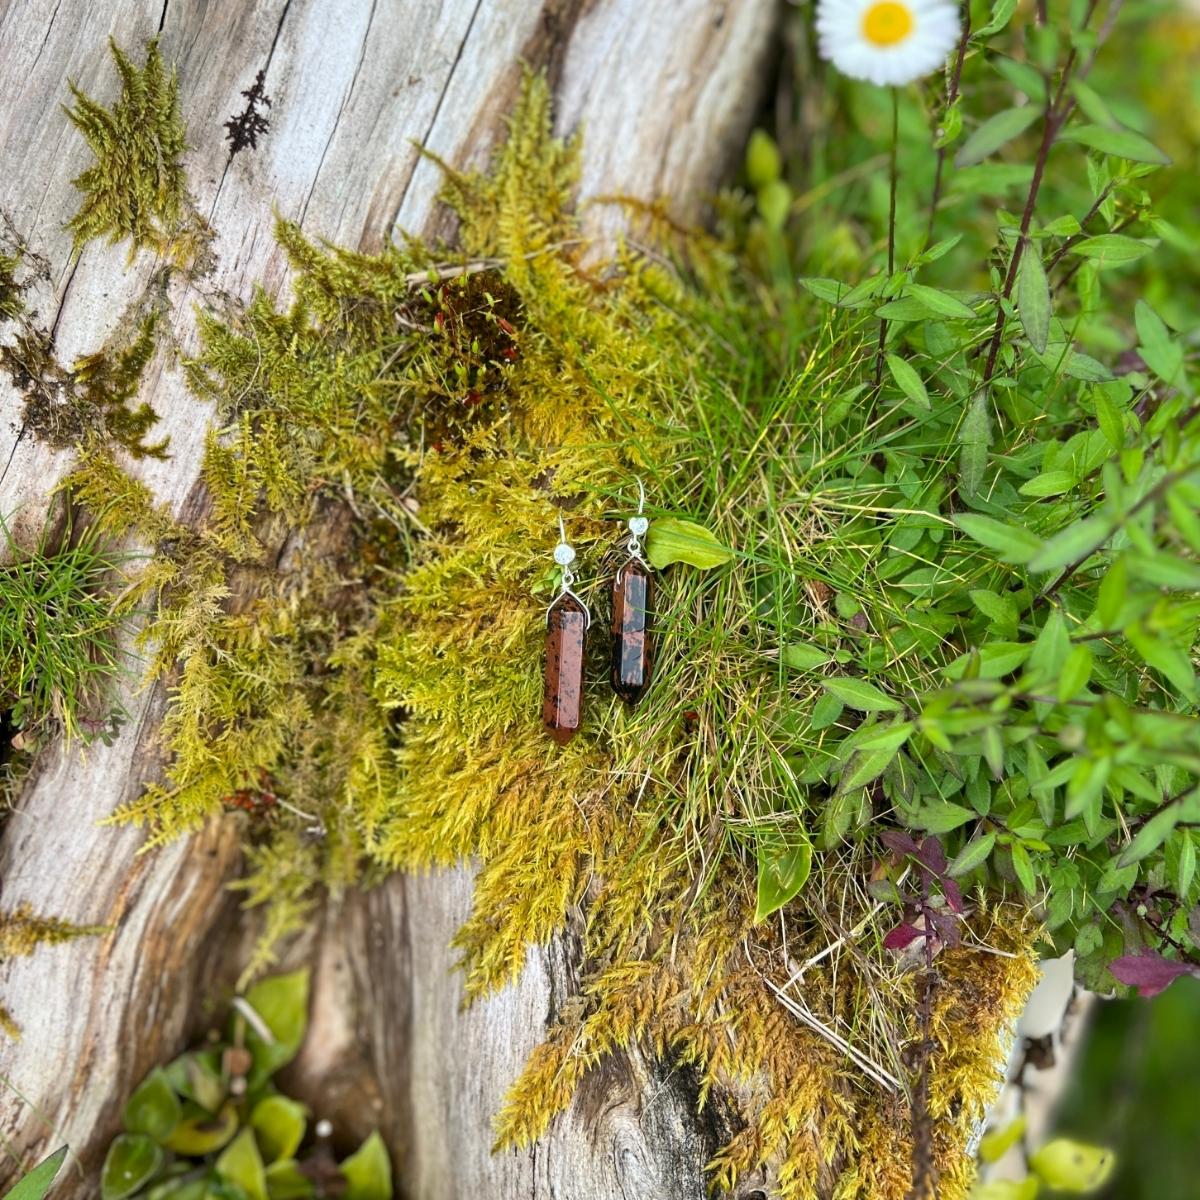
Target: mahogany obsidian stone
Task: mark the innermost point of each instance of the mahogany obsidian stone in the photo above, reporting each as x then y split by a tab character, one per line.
562	709
632	652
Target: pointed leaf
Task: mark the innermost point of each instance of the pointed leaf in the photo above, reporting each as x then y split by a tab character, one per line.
34	1184
1033	298
995	132
674	540
860	695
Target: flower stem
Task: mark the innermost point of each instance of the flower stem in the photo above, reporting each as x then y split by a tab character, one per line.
892	177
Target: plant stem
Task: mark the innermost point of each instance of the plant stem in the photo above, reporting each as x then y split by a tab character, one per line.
892	177
1057	113
951	96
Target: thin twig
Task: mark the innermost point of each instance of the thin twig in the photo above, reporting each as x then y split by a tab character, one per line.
867	1065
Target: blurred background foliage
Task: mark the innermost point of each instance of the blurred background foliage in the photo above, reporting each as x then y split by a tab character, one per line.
1136	1088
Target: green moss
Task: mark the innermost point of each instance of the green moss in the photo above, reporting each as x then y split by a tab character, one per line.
95	398
137	187
22	931
355	631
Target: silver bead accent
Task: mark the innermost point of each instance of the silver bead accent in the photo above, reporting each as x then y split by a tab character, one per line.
638	526
564	555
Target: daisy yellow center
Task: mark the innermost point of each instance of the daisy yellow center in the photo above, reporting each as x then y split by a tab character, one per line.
887	23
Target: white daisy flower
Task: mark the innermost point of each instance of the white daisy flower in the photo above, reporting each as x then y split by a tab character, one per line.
887	41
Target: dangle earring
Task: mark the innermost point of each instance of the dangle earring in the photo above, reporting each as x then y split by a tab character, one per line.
567	621
632	595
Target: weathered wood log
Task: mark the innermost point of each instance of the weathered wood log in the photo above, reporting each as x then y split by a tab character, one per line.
665	93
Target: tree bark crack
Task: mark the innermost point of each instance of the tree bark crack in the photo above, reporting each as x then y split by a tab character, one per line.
362	54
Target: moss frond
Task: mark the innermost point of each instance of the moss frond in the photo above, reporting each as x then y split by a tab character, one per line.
22	931
137	187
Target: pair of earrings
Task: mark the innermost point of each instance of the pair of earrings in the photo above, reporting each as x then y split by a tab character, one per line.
567	623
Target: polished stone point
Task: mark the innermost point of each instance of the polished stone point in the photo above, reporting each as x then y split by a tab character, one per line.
632	652
562	708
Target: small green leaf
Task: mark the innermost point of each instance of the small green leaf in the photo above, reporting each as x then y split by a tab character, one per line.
197	1076
1012	543
1002	13
34	1184
774	203
996	1144
995	132
763	162
873	754
803	656
1076	543
1076	672
942	816
825	711
972	854
1112	249
1158	350
1000	610
132	1161
859	694
1092	104
829	290
279	1124
286	1181
1186	870
674	540
204	1134
908	381
942	303
1049	483
1121	143
368	1171
1165	658
1156	830
1025	77
282	1003
241	1164
1072	1166
974	437
783	869
153	1109
1024	868
1033	298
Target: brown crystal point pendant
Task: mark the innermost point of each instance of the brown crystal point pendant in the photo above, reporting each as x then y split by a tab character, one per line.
562	709
632	652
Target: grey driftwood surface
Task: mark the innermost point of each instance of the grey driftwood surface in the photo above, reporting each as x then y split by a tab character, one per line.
666	90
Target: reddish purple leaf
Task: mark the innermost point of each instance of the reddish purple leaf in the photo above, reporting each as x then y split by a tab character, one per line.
953	894
1149	973
932	856
945	926
898	842
903	935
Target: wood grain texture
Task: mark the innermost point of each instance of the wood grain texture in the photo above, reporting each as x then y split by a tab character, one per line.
665	93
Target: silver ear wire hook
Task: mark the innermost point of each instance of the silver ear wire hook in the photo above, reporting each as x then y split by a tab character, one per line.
564	555
638	525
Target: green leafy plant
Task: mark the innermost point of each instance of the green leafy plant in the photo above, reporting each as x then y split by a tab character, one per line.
1010	507
213	1122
